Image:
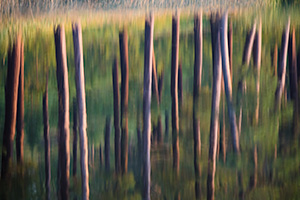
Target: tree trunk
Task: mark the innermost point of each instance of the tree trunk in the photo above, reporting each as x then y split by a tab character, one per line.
197	150
116	116
293	66
149	27
257	63
80	94
159	131
154	78
198	53
174	94
11	97
214	124
107	144
248	45
20	110
123	39
282	65
74	137
230	41
47	142
63	111
180	83
227	83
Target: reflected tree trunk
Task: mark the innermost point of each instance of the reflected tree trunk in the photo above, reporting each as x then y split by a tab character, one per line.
80	94
216	93
74	137
293	66
198	53
116	116
249	45
174	92
257	63
11	98
197	150
63	112
20	110
154	78
149	28
230	41
123	40
282	66
46	141
180	83
107	143
227	83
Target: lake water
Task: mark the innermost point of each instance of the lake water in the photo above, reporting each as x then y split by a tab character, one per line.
268	165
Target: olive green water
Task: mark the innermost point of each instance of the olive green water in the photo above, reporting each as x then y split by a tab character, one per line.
276	135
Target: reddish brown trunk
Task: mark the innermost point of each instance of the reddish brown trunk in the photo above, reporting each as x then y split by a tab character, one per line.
116	117
293	66
123	39
20	111
11	97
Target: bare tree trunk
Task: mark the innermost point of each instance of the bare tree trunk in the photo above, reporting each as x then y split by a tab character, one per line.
282	65
80	93
107	144
249	45
123	39
293	66
75	137
116	117
257	63
154	78
230	41
197	150
214	124
47	142
20	110
149	28
11	98
227	83
63	111
180	83
174	94
198	53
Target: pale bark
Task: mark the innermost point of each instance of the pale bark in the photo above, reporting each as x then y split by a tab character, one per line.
63	110
154	77
282	65
249	45
149	28
80	94
198	52
227	82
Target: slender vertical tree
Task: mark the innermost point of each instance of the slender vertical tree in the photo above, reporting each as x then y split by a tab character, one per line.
198	52
149	28
293	66
11	97
63	111
75	140
80	94
107	143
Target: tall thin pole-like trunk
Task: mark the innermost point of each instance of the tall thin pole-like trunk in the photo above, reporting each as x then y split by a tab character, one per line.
230	42
116	116
46	141
293	66
75	138
216	93
174	88
63	111
80	94
11	98
227	82
180	83
198	53
282	65
123	40
154	77
257	63
197	150
149	28
249	45
107	143
20	110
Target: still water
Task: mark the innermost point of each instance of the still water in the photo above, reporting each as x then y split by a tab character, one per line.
268	163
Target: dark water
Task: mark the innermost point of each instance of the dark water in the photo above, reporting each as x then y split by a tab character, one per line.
266	168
